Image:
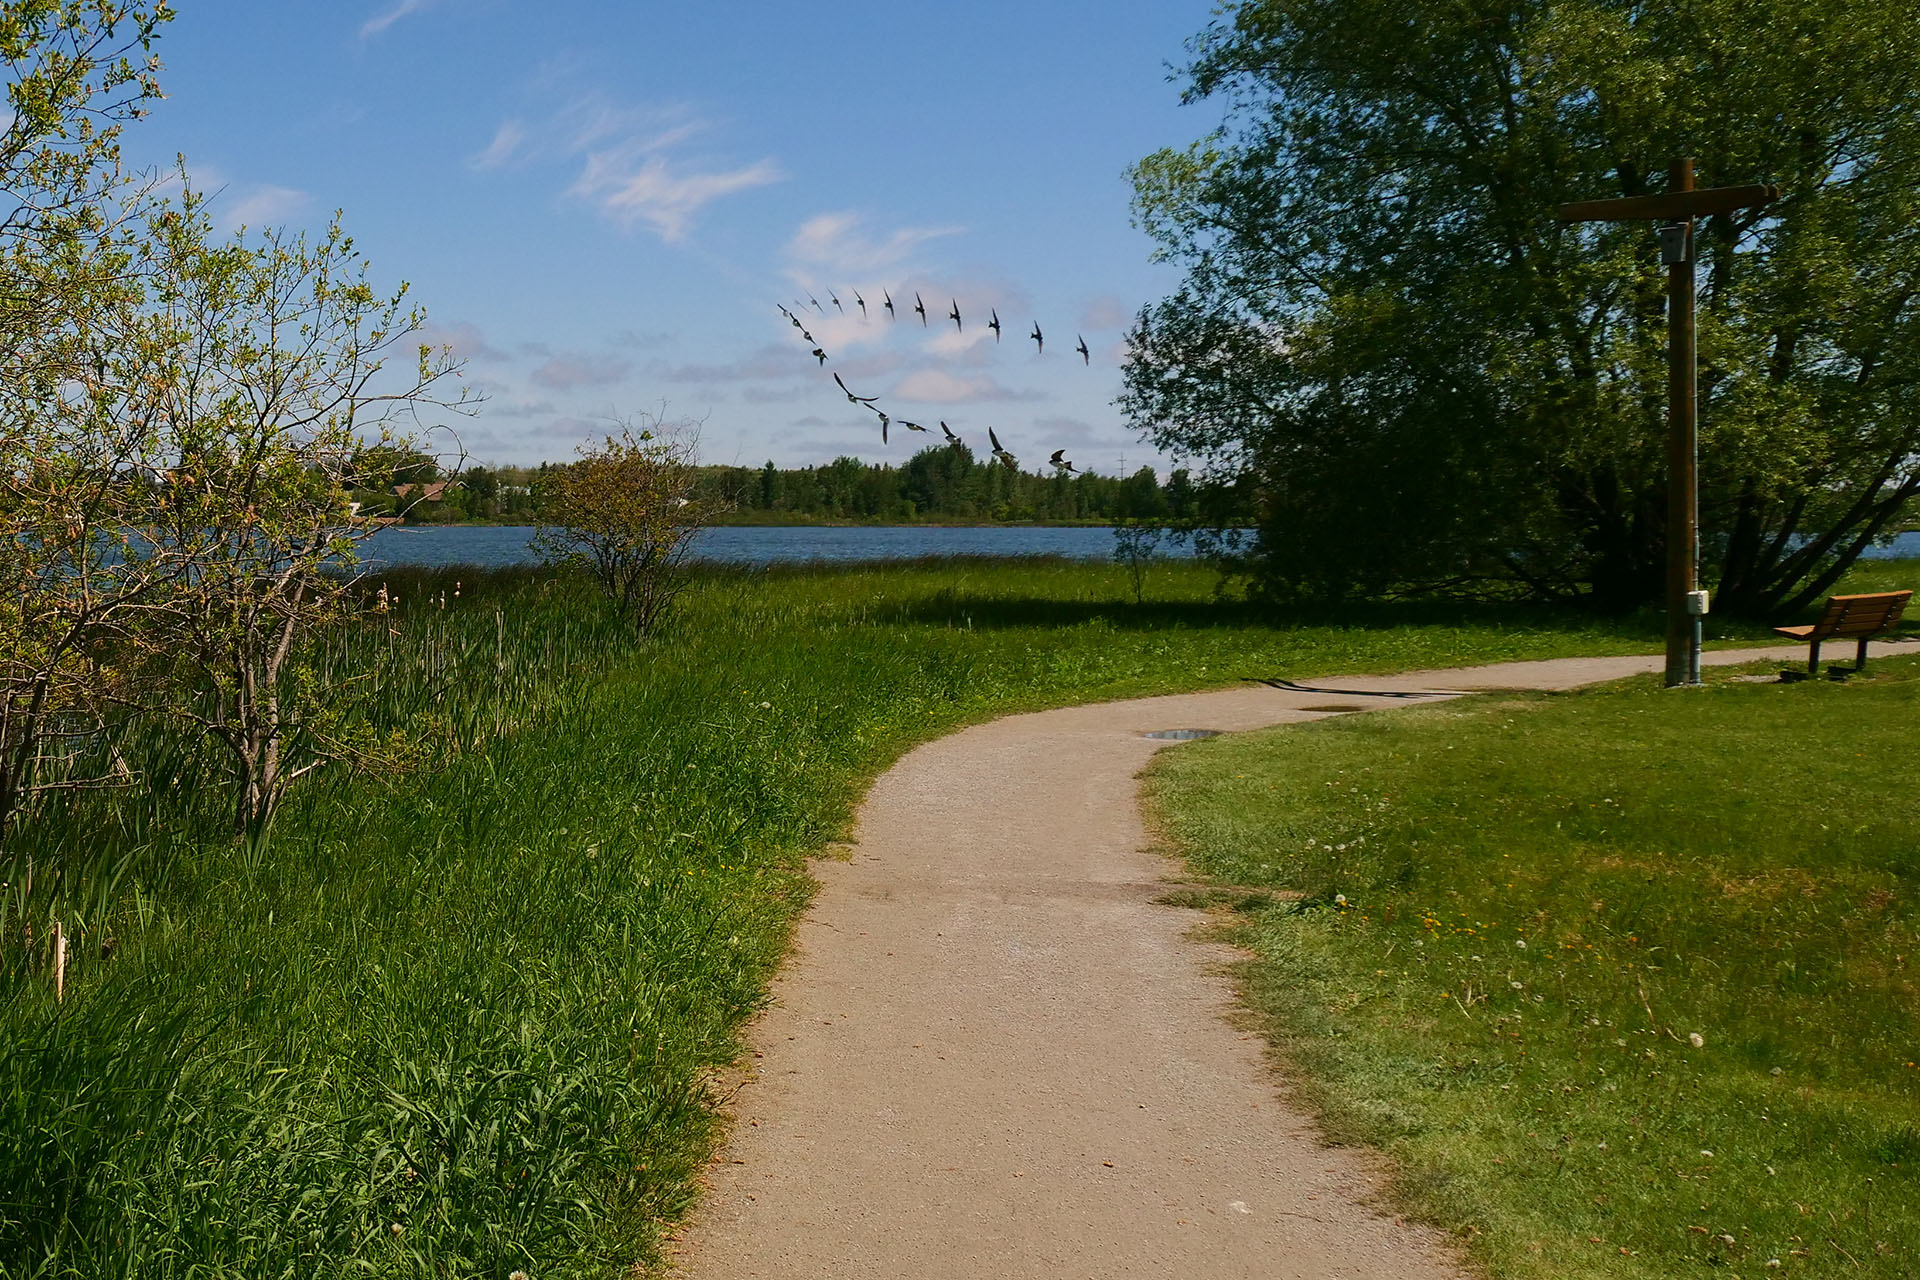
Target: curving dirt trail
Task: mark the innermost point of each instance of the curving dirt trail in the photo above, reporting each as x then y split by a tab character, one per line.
992	1054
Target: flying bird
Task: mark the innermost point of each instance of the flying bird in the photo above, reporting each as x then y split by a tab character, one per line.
820	355
911	426
836	302
1006	459
952	439
816	304
921	307
954	315
1038	341
1086	357
862	303
890	312
852	397
1059	461
803	333
994	324
884	420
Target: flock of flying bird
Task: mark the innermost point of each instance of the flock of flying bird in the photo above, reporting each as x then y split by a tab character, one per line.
1059	459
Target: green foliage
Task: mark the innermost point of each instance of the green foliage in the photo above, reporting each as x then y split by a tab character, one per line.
69	219
1492	929
625	514
943	483
481	1000
1435	383
180	423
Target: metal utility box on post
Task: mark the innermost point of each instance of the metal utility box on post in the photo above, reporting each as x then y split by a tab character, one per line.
1677	209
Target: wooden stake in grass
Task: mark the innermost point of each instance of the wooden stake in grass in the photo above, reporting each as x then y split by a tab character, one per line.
59	963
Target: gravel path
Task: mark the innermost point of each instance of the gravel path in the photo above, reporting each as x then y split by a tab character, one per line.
992	1054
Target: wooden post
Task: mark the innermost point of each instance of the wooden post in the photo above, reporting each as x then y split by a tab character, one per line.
1678	208
1683	480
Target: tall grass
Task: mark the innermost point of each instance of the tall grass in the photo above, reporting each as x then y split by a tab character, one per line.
461	1021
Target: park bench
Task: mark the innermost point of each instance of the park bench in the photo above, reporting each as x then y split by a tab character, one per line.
1850	618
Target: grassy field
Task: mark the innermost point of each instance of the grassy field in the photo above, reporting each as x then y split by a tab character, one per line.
1627	981
463	1021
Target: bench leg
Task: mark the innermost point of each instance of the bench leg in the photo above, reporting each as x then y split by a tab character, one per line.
1860	663
1813	658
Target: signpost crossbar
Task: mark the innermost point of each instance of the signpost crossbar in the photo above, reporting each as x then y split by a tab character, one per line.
1669	206
1680	204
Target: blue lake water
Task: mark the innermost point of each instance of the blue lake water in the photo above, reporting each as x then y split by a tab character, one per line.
499	545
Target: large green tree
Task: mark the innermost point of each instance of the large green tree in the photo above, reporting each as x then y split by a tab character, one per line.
1432	382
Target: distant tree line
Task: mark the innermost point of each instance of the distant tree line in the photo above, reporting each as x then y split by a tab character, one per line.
944	483
938	484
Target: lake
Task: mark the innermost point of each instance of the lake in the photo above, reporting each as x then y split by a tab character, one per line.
499	545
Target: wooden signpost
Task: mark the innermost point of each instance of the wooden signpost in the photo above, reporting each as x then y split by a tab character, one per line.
1676	209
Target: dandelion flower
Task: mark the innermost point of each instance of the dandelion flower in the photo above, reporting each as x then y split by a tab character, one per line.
1339	899
1520	943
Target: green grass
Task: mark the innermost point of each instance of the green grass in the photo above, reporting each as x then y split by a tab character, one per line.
1485	933
462	1021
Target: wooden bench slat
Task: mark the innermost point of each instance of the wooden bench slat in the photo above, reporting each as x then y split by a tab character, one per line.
1854	617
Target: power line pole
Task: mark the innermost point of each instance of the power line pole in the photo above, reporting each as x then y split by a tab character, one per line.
1676	211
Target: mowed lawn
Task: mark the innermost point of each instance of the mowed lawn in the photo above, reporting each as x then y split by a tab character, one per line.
1626	980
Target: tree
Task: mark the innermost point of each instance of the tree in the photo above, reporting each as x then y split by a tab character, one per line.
626	513
268	372
77	72
1431	382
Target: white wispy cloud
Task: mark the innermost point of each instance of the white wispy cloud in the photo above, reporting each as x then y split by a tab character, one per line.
937	386
381	21
261	205
630	188
841	246
508	142
633	163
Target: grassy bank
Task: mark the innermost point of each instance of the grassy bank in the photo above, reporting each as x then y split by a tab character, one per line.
458	1022
1623	979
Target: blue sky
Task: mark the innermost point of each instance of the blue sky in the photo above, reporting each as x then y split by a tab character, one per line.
599	203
